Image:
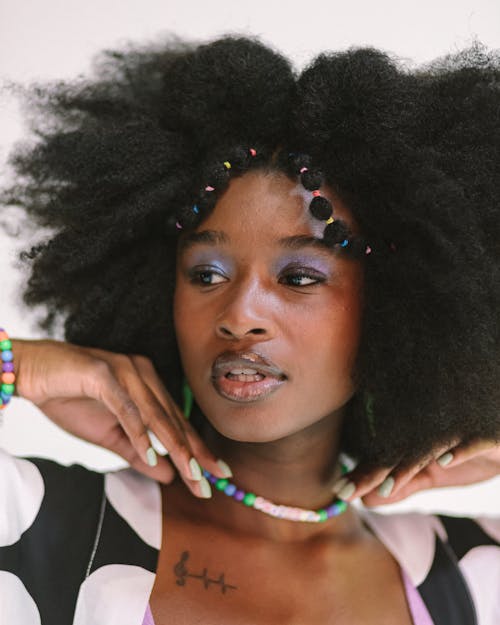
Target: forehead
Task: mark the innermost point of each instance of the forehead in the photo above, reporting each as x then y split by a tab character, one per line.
264	207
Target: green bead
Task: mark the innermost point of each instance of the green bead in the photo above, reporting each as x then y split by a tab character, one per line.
8	389
5	344
344	468
221	484
341	506
249	499
323	515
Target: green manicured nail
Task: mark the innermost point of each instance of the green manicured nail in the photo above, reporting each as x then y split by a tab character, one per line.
347	491
385	489
151	457
225	468
339	484
206	491
445	459
195	468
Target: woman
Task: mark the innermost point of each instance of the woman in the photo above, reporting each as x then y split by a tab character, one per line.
309	264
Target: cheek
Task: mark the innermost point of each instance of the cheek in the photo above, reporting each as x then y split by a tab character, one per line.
184	324
330	338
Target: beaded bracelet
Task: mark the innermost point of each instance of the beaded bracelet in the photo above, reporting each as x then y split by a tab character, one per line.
8	375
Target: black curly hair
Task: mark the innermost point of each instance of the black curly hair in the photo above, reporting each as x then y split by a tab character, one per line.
414	154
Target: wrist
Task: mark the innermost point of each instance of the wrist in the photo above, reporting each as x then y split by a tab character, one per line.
7	372
17	348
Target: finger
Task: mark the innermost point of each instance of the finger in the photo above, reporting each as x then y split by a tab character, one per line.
404	473
421	481
201	452
157	445
359	482
135	422
162	472
464	452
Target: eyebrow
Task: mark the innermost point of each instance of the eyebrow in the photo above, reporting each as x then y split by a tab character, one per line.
216	237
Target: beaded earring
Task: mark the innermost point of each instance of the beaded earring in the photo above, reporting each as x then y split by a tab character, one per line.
188	399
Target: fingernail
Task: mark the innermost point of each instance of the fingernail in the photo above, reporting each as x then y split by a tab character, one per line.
206	491
339	485
151	457
157	444
385	489
195	470
224	467
445	459
347	491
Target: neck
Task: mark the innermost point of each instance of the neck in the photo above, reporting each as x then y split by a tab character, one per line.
297	471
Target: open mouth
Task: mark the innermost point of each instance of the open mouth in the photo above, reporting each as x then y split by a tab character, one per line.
246	387
245	376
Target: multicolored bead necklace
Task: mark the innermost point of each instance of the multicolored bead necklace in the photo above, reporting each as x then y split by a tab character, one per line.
275	510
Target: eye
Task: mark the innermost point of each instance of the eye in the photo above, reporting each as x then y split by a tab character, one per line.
302	278
206	276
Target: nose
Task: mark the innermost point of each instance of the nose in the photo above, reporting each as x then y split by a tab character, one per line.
249	312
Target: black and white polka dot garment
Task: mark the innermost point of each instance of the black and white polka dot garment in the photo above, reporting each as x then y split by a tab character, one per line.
81	547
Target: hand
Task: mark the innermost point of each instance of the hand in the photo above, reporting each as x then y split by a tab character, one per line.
459	465
112	400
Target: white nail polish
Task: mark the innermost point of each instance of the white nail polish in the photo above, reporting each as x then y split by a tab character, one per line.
385	489
206	491
195	469
445	459
151	457
224	467
347	491
339	485
157	444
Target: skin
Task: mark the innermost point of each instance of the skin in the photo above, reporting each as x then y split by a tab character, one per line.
282	446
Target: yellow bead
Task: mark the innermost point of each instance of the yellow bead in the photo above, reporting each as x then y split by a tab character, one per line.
330	220
227	164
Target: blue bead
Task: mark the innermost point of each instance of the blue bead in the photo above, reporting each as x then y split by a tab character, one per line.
7	355
345	243
5	397
206	473
230	489
196	209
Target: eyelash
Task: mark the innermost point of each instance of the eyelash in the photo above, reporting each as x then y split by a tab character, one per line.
195	277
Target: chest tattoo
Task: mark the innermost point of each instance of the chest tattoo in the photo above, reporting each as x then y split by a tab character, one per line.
182	573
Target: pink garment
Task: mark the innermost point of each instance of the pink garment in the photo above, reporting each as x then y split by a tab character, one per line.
148	617
418	609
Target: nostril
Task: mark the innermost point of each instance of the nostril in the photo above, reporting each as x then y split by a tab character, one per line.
226	332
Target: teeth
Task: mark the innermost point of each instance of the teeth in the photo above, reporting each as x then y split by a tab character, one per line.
243	372
241	377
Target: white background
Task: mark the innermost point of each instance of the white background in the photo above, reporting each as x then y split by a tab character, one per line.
52	39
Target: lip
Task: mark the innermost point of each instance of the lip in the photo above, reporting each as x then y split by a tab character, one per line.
248	391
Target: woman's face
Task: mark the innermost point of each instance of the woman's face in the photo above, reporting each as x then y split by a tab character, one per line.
250	285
